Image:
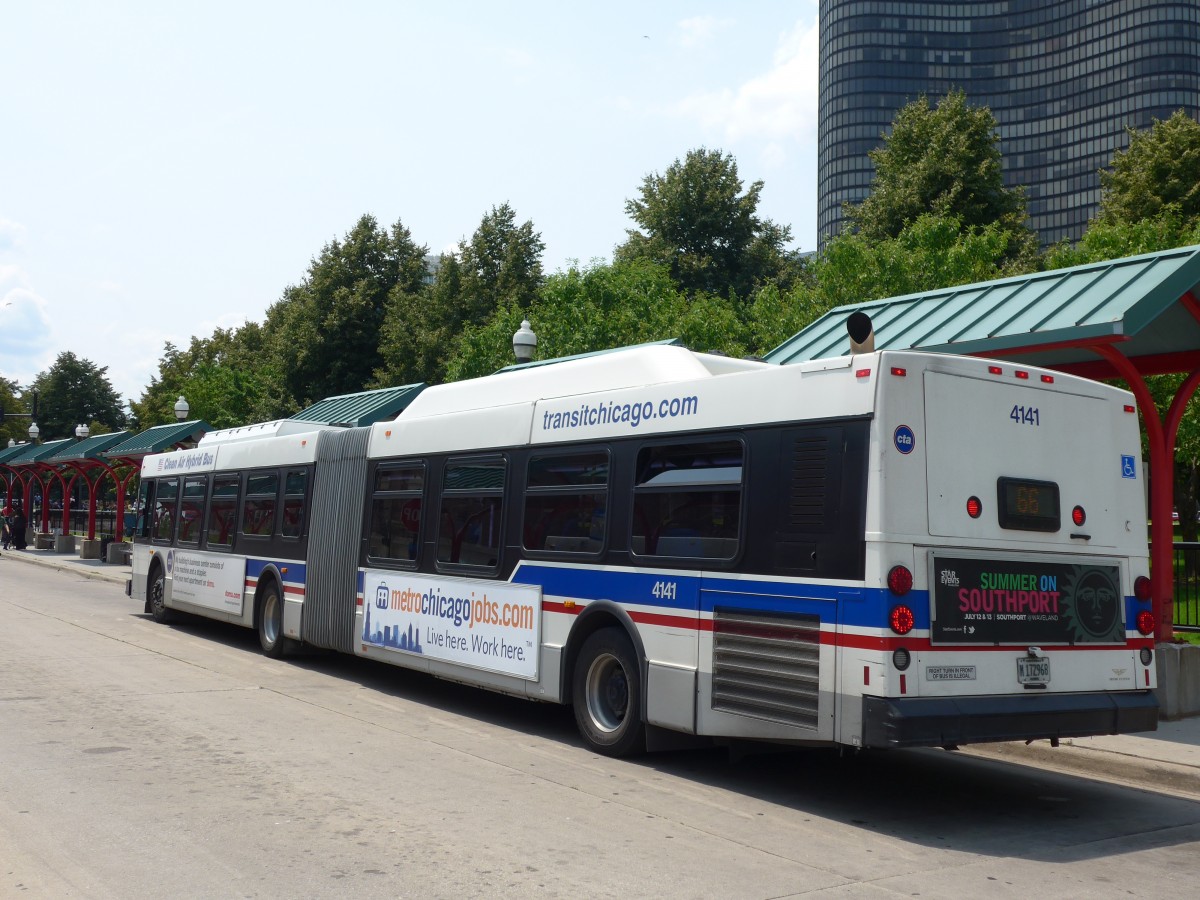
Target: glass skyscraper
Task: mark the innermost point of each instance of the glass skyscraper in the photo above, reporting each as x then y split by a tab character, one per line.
1064	78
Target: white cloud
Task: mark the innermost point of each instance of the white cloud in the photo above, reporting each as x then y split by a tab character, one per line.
12	235
779	105
24	326
700	30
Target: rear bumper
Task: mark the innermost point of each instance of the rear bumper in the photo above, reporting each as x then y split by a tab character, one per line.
943	721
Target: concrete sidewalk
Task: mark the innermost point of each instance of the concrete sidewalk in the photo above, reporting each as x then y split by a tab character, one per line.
1168	758
70	562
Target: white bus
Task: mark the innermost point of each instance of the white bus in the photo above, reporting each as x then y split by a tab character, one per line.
888	549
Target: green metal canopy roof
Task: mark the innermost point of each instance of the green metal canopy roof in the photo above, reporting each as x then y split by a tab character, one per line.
158	439
363	408
1145	305
12	452
35	453
88	448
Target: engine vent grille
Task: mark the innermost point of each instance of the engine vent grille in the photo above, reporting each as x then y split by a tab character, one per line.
810	475
767	666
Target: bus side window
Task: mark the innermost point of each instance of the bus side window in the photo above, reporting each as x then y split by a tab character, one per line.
295	491
566	503
396	513
262	500
191	510
687	500
222	512
471	513
166	506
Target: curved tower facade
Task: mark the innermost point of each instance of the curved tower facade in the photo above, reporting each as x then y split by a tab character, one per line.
1064	78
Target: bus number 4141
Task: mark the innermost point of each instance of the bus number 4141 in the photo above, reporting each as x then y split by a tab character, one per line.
664	590
1025	415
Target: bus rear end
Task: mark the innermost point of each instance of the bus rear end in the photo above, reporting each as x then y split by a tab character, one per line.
1007	550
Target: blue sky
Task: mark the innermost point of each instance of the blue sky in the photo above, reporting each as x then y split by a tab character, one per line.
166	169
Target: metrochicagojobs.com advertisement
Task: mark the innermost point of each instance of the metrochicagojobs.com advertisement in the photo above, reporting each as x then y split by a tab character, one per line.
485	625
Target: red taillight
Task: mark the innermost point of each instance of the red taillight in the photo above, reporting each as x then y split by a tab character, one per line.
901	619
1024	376
1078	516
1141	588
862	373
899	581
974	507
899	372
1129	408
1145	622
1047	379
995	370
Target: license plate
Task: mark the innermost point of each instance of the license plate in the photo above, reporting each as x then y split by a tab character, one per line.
1033	671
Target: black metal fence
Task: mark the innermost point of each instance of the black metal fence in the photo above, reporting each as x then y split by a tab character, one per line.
1187	586
106	522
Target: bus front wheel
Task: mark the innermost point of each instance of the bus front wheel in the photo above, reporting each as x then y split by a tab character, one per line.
157	595
607	694
270	623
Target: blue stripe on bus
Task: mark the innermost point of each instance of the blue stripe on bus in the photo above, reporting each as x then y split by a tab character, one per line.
860	607
297	572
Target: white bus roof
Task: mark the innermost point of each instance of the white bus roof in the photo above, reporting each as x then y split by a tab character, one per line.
635	367
277	428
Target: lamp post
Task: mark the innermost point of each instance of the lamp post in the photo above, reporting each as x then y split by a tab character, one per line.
34	431
181	408
524	342
82	432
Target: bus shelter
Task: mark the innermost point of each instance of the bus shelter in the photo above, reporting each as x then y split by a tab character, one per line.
30	471
1124	319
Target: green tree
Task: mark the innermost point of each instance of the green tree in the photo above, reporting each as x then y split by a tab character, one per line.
498	268
73	392
229	379
12	401
945	161
931	252
1157	174
696	219
325	331
598	308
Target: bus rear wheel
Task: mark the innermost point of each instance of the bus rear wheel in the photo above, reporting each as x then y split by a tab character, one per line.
156	596
607	694
270	623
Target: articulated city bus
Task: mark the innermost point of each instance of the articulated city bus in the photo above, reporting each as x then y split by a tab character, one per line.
887	549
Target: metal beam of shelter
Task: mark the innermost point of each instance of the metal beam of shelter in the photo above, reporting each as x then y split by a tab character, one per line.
1125	318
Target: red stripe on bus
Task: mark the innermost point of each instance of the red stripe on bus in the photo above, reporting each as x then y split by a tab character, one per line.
853	641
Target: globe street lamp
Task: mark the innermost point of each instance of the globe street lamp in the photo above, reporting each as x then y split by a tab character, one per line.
524	342
181	408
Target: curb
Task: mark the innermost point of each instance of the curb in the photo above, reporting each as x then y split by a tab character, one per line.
1100	765
62	564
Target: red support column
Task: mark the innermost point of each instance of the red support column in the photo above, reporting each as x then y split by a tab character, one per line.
1162	495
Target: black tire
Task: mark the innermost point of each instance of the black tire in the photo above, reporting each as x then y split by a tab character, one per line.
156	590
270	623
607	694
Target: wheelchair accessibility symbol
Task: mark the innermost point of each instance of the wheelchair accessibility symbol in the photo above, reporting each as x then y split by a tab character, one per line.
1127	467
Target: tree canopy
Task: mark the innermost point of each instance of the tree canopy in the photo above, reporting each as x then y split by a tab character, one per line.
943	160
1157	175
325	330
73	392
696	219
499	267
229	379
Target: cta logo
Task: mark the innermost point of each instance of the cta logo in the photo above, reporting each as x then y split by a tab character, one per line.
904	439
382	596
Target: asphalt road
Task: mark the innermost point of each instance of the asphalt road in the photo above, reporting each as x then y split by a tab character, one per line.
138	760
